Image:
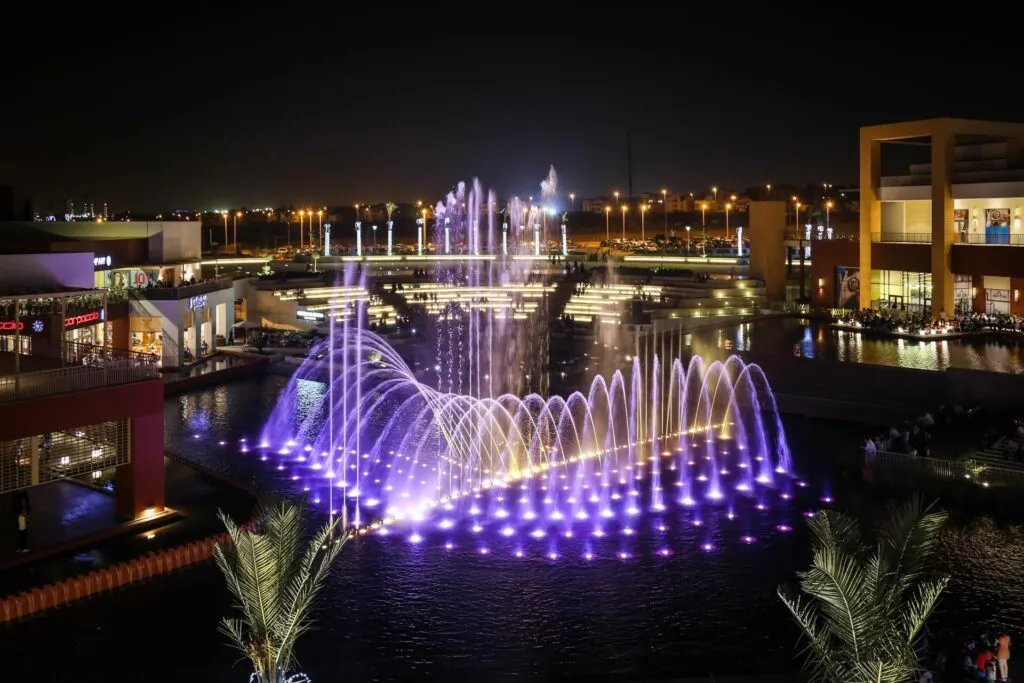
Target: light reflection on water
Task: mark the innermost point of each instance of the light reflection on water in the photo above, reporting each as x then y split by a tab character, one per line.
396	610
818	340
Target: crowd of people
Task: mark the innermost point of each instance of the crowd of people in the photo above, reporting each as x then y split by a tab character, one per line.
901	320
913	436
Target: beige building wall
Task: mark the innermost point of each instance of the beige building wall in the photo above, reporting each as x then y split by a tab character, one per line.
767	252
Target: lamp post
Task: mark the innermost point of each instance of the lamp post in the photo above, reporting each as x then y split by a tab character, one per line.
225	215
664	204
320	226
643	235
607	229
727	207
237	216
687	239
828	209
714	191
704	227
374	226
616	193
301	236
769	188
572	201
625	208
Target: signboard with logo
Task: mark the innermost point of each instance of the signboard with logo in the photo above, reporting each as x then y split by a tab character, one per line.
23	326
313	316
197	302
101	261
90	318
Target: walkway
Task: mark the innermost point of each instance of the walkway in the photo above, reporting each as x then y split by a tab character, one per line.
73	530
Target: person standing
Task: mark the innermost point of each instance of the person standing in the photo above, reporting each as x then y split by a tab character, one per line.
23	530
1003	655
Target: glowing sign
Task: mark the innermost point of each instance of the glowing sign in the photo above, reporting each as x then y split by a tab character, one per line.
310	315
197	302
101	261
75	320
11	326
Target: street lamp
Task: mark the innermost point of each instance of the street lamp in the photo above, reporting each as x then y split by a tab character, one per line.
225	215
320	226
828	209
704	227
625	208
374	238
237	216
714	191
572	201
607	218
301	236
727	207
687	239
769	187
616	193
664	204
643	210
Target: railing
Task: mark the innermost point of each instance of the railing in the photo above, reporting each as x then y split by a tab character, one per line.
966	470
993	239
836	237
87	367
177	293
902	237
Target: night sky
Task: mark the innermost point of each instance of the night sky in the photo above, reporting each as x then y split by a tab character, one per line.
216	109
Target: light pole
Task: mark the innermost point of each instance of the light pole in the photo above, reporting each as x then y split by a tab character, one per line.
607	219
687	239
624	209
828	209
616	193
225	215
714	191
643	210
769	187
664	204
572	201
704	227
237	216
375	238
320	226
727	207
301	236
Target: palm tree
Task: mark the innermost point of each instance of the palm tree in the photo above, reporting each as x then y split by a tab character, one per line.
275	581
864	603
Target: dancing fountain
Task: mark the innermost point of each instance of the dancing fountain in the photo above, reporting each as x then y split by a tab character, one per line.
473	445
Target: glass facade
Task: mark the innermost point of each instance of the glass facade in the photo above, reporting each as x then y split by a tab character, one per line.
963	298
901	290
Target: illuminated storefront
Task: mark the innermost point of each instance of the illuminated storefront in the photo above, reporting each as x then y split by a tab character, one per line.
40	324
182	324
901	290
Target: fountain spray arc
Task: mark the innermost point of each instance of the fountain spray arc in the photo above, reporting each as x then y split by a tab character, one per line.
396	448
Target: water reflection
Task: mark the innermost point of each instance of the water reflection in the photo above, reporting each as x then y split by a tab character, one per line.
818	340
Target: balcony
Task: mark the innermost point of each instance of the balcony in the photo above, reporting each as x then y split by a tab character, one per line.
902	237
82	367
174	293
1001	239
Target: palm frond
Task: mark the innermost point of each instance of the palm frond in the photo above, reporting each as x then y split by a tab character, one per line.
862	607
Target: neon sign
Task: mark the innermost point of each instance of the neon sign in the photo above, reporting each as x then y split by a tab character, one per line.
11	326
101	261
76	320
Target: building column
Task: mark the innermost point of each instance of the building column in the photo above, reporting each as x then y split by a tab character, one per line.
211	329
196	340
977	293
943	230
870	209
172	334
139	485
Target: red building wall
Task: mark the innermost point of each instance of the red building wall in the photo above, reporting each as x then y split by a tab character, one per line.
140	484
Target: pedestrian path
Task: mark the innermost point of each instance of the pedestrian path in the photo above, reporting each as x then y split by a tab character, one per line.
82	535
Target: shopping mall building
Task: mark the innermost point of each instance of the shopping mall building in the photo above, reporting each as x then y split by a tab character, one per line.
943	236
157	299
72	408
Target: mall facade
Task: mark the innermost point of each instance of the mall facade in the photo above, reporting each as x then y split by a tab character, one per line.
942	238
156	299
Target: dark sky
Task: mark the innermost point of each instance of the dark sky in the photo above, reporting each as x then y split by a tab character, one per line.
221	108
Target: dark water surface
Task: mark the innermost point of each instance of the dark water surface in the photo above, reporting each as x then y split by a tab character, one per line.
819	340
398	612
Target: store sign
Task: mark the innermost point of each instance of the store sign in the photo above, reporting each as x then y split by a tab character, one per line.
310	315
997	295
197	302
84	319
35	326
101	261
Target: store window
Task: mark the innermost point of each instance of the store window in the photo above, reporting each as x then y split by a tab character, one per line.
962	300
899	290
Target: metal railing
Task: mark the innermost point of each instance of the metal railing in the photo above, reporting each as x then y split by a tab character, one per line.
902	237
176	293
968	470
85	367
991	239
